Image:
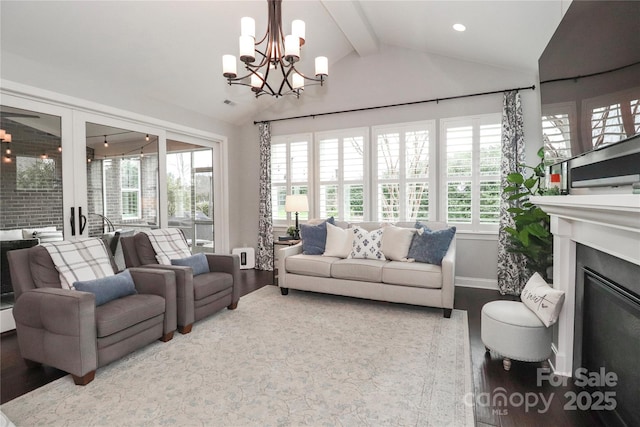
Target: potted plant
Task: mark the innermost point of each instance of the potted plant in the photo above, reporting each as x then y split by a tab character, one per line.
531	235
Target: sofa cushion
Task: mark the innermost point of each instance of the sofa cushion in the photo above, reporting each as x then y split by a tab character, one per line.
108	288
416	274
11	235
431	246
339	242
310	265
314	237
396	242
367	244
198	263
366	270
145	251
208	284
122	313
43	271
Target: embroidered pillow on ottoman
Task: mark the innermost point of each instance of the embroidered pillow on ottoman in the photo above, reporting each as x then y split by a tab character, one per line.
542	299
367	244
431	246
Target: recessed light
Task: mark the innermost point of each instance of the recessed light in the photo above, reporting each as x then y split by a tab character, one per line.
459	27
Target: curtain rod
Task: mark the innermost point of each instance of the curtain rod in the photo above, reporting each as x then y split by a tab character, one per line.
436	100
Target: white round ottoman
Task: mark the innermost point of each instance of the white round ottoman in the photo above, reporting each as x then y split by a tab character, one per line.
513	331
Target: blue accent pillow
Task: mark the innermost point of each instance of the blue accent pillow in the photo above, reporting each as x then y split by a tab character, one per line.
108	288
314	237
197	262
431	246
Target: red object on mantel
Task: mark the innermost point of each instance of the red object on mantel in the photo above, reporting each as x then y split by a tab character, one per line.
555	178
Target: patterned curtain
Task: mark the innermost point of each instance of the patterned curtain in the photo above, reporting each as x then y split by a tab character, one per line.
512	273
264	257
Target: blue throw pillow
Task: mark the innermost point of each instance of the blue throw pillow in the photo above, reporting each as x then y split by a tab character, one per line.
431	246
314	237
108	288
197	262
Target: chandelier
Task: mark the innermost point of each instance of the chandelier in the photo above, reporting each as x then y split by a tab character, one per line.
279	52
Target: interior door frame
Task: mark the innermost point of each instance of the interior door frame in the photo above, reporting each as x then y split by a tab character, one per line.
66	142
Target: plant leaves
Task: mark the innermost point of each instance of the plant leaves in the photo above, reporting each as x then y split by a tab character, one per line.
529	183
515	177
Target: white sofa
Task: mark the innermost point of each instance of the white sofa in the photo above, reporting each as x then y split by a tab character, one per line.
393	281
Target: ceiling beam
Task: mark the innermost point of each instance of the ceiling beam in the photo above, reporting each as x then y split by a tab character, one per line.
350	18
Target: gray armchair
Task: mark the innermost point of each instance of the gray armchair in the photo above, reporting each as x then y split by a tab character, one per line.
63	328
197	297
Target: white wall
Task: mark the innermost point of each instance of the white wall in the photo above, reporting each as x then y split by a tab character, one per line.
390	77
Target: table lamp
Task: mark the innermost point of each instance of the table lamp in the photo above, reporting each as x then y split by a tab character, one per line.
296	203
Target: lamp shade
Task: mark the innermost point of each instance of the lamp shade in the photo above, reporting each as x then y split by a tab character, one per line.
296	203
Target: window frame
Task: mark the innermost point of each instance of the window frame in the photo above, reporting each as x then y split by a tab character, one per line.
131	190
341	182
287	140
476	121
403	180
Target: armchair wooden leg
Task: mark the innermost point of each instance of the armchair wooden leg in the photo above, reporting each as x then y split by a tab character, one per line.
31	364
167	337
185	329
233	306
85	379
447	312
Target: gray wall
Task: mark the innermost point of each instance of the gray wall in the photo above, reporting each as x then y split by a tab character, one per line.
413	76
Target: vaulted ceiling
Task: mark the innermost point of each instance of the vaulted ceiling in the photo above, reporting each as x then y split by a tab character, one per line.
170	51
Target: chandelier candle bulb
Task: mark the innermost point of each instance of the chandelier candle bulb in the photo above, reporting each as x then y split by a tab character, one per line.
298	81
247	49
256	81
7	137
291	48
248	27
3	133
322	66
229	69
298	30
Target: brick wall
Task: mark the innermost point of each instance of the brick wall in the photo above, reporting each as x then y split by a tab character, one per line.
30	208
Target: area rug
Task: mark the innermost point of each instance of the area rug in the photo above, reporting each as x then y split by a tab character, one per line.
304	359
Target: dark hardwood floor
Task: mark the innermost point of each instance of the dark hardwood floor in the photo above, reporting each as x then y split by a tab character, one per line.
490	380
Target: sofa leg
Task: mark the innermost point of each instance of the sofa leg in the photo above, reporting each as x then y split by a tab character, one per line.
546	367
447	312
506	363
185	329
31	364
233	306
284	291
85	379
167	337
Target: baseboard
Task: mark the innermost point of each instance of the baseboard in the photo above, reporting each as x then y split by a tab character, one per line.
7	322
474	282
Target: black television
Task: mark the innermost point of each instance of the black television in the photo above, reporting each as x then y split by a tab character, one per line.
590	93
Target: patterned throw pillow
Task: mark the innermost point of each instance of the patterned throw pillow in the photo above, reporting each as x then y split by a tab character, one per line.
367	244
542	299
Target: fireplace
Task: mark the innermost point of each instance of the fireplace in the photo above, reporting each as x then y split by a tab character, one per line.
607	329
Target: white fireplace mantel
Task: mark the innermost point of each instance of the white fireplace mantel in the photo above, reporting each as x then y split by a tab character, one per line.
607	222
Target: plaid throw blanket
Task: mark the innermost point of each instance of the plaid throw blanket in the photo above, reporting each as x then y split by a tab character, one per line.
169	243
84	259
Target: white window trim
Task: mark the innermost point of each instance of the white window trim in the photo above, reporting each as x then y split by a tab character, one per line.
402	128
340	135
476	121
287	140
136	190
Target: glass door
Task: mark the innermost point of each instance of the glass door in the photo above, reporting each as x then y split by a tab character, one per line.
32	200
190	193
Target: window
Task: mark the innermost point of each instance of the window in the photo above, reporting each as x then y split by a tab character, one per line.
289	172
130	188
403	178
471	172
33	173
613	117
341	174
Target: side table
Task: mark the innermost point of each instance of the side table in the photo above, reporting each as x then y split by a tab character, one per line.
275	252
